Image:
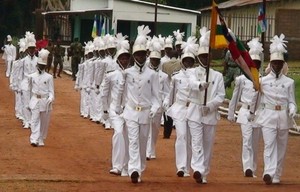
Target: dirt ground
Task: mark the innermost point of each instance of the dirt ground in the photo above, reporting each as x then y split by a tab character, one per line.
77	154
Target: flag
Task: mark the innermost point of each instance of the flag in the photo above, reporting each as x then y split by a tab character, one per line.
94	30
103	27
262	22
217	40
241	56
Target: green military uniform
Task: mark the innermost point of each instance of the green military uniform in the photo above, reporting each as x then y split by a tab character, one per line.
231	70
50	48
59	52
75	49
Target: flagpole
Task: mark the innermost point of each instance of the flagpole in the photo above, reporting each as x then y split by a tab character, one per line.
207	75
155	19
263	33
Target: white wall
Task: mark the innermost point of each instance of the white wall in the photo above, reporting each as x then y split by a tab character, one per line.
139	12
88	4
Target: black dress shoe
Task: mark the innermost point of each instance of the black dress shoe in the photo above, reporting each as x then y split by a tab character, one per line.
134	177
197	176
34	144
248	173
148	158
267	179
180	173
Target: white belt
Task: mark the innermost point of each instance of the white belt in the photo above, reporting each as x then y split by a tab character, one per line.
245	106
185	103
137	107
41	96
275	107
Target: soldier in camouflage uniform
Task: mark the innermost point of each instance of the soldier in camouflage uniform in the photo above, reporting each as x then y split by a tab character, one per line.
50	48
231	70
59	52
75	49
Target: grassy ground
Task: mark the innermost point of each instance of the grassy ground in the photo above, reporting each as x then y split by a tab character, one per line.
294	73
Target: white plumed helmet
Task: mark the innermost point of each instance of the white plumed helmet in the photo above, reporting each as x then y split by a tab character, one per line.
43	56
256	49
141	39
278	47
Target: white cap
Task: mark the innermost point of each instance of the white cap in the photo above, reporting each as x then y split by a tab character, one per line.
204	41
121	52
9	38
43	56
169	42
277	48
189	48
122	45
141	39
179	36
30	39
22	45
155	48
256	49
155	54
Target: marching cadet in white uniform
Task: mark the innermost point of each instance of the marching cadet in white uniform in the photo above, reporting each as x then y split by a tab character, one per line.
30	63
109	63
178	98
244	92
202	118
112	107
168	47
164	88
87	79
15	79
10	54
42	90
277	109
179	40
142	103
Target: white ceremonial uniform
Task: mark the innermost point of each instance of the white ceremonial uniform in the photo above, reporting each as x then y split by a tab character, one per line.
111	102
108	64
202	126
42	89
142	99
164	88
29	67
15	82
277	100
78	86
88	70
244	93
93	95
10	55
178	98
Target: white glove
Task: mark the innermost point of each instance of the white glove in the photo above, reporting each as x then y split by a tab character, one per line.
205	110
119	110
105	116
203	85
49	100
250	117
88	90
97	91
165	106
292	113
231	119
151	115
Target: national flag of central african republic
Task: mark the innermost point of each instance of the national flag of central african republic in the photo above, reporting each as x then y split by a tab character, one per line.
262	22
217	40
94	30
241	56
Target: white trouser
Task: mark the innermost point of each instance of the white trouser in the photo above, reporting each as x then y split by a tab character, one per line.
209	132
26	111
93	105
8	67
119	142
98	107
275	141
86	103
197	161
183	150
82	101
137	135
250	146
39	125
153	135
18	104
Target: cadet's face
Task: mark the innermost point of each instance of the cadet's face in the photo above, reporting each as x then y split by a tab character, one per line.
41	67
188	62
111	51
277	65
168	51
140	56
124	60
102	53
155	62
178	49
203	58
162	52
31	50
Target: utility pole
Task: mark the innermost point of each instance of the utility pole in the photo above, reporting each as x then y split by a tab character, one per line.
155	19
